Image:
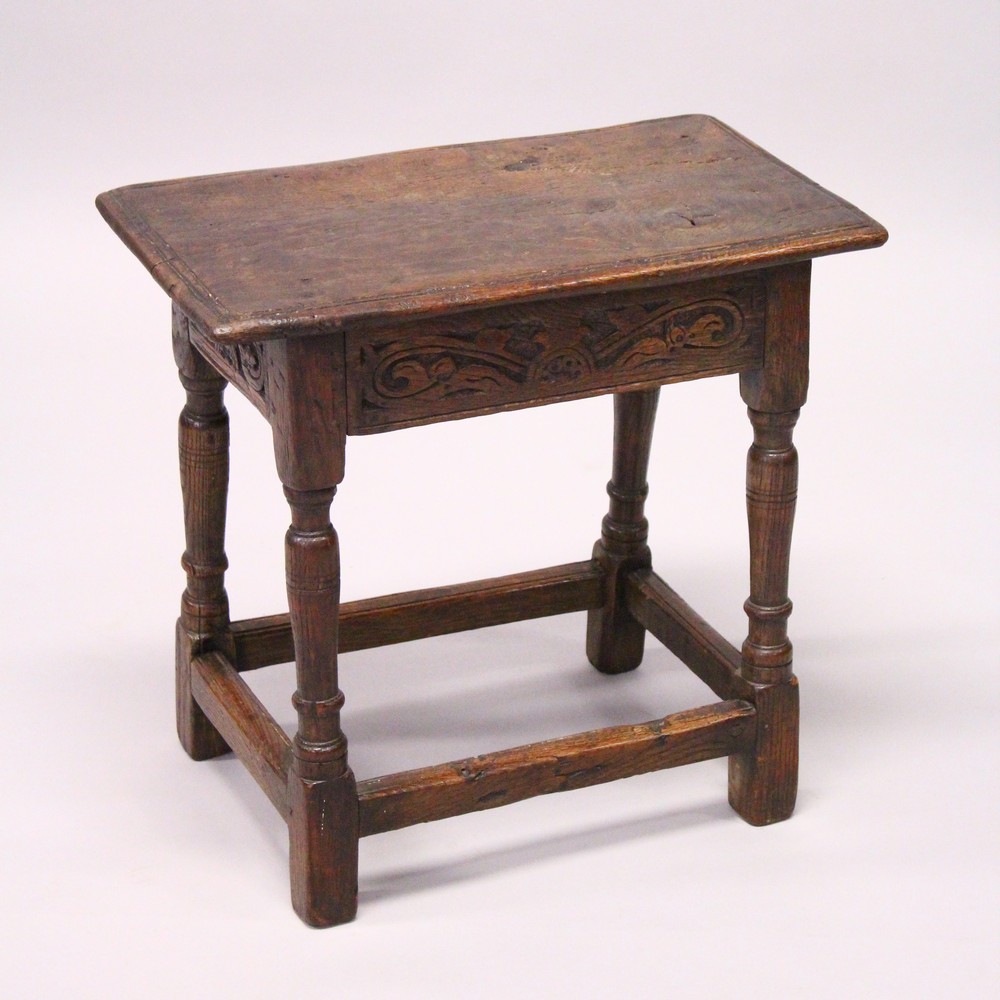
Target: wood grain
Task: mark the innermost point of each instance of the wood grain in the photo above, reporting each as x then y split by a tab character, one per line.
615	639
245	724
763	783
764	779
509	356
203	449
687	635
305	250
392	290
418	614
496	779
244	366
322	796
780	384
772	489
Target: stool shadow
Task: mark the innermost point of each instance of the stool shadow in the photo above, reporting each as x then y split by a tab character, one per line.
436	876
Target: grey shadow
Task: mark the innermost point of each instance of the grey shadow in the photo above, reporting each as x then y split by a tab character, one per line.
423	879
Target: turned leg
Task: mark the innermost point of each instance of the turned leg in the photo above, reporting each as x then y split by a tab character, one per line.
306	398
323	803
763	780
204	464
614	638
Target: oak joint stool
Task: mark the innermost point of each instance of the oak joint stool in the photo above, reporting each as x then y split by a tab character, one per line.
373	294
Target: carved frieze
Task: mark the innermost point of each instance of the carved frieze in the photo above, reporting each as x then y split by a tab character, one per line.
242	365
498	357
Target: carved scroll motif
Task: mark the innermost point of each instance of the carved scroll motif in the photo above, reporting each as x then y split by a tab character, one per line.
461	361
243	365
251	366
244	362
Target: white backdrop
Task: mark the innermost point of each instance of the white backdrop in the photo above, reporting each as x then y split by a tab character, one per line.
129	871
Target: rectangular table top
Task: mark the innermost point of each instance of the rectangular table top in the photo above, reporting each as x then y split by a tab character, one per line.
309	249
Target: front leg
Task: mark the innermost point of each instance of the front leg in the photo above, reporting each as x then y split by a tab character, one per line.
309	440
763	780
203	439
323	800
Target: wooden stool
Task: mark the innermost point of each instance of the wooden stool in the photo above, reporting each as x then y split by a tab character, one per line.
372	294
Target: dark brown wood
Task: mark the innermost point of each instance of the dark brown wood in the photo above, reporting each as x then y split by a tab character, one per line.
614	638
322	796
763	780
558	765
378	293
772	477
203	445
763	783
304	250
200	739
781	383
307	410
523	355
242	365
245	724
418	614
667	617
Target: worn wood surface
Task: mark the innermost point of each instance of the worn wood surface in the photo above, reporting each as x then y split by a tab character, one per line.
497	779
763	783
199	738
376	293
246	725
418	614
764	778
517	355
614	638
322	795
772	487
203	448
671	620
303	250
781	382
244	366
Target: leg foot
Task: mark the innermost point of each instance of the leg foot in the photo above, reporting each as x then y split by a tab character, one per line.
200	739
763	782
323	841
615	640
